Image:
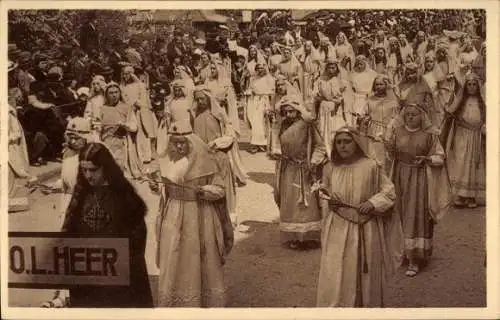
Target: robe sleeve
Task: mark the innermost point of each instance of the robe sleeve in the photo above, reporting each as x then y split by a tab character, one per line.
131	121
319	149
88	109
142	99
436	153
325	181
14	129
384	199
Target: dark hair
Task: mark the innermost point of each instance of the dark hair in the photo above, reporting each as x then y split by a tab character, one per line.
101	157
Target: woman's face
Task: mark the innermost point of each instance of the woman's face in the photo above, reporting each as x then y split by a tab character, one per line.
180	145
411	75
74	142
472	87
201	99
177	73
413	117
267	52
287	54
213	71
380	53
178	92
204	59
92	173
429	65
380	86
345	145
252	52
281	88
308	47
96	86
259	69
332	69
341	38
360	65
113	95
127	74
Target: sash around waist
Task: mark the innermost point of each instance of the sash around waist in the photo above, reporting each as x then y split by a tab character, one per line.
407	159
181	193
466	125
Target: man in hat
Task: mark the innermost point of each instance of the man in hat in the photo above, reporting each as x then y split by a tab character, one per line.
132	55
302	151
89	35
176	48
199	46
13	52
23	76
191	254
44	116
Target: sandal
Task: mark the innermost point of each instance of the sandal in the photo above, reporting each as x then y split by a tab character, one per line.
411	271
253	150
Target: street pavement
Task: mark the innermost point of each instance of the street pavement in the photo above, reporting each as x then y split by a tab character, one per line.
260	272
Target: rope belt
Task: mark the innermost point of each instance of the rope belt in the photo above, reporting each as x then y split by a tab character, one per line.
302	165
351	214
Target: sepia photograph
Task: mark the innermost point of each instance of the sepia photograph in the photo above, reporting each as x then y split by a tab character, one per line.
246	158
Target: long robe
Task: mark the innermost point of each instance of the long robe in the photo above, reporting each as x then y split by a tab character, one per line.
362	83
18	164
466	150
355	260
257	104
93	110
380	110
292	70
190	237
300	216
136	93
108	211
208	128
423	191
330	91
120	141
446	87
420	93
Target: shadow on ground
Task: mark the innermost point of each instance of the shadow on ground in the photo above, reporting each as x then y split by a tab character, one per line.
260	272
262	177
